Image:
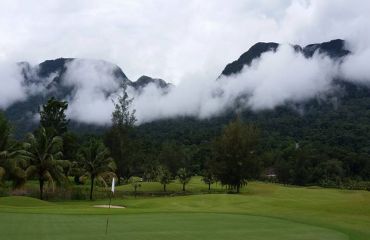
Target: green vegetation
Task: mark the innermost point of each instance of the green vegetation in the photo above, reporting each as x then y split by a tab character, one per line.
235	158
44	155
118	136
52	116
94	161
262	211
184	176
146	167
11	156
164	176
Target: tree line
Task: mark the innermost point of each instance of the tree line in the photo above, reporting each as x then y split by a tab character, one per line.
52	154
233	155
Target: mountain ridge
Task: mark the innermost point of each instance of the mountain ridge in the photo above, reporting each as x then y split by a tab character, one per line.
335	49
21	112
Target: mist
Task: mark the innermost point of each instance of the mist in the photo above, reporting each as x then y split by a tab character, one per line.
11	84
94	87
272	80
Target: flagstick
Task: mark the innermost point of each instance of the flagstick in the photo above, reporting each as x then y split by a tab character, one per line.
110	200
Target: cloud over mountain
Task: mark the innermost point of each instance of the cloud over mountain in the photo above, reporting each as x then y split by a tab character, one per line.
184	42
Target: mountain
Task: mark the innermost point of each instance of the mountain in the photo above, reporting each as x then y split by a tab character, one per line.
345	106
246	58
337	124
333	129
334	49
47	79
143	81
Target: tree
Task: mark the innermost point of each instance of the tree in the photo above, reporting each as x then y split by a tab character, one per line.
118	137
164	176
70	145
122	117
12	157
208	178
45	152
172	156
95	161
184	176
329	173
235	158
52	116
150	170
135	182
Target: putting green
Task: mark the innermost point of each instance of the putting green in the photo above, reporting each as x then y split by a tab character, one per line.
159	226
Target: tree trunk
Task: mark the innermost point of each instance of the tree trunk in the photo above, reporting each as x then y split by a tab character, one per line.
238	188
92	186
164	187
41	182
183	187
118	179
209	186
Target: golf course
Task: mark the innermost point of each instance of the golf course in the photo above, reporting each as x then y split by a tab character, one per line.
261	211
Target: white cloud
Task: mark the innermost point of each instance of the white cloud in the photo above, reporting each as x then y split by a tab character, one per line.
272	80
11	84
94	82
356	67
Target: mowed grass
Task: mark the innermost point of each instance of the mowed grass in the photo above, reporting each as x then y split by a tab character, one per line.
262	211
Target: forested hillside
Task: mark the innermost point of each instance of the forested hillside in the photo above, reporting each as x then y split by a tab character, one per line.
323	140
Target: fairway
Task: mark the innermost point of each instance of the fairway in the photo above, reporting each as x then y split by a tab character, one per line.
262	212
159	226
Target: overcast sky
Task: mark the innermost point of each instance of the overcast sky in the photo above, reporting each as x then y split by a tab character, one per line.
186	42
171	39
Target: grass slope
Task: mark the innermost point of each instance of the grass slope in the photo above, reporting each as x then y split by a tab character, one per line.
262	211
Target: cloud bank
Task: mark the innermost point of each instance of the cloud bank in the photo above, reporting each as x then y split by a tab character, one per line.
272	80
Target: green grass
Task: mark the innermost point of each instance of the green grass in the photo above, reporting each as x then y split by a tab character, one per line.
262	211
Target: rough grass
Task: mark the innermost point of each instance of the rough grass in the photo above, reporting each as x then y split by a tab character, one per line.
22	202
262	211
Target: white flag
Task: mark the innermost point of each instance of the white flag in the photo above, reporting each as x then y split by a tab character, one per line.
113	185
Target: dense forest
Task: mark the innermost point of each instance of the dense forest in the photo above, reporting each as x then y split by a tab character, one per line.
321	141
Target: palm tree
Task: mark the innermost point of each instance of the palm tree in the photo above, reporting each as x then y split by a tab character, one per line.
12	157
94	159
45	153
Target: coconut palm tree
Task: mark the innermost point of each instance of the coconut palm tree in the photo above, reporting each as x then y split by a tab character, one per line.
45	153
94	159
12	157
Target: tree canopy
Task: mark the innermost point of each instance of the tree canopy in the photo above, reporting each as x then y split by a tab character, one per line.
235	154
52	115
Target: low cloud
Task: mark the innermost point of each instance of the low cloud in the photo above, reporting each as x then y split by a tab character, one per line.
356	67
272	80
94	85
12	87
